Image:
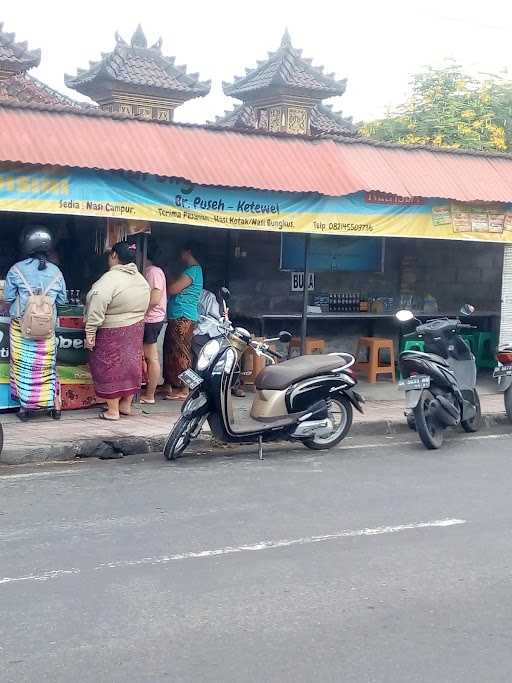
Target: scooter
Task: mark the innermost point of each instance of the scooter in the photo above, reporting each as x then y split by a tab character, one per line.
439	383
309	399
503	373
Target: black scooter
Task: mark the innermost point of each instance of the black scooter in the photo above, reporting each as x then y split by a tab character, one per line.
309	399
503	373
440	383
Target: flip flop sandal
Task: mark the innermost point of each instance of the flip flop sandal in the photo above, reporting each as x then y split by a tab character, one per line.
102	416
113	419
145	401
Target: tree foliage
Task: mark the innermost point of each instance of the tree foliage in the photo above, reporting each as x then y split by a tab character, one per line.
449	108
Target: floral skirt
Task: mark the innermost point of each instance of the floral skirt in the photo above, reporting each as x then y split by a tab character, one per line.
177	350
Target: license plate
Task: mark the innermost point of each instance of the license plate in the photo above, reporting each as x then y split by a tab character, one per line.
191	379
503	371
416	382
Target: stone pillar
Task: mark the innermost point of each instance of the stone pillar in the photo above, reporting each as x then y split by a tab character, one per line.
506	297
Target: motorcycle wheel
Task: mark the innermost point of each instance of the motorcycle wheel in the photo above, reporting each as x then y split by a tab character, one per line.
179	438
474	424
429	430
508	403
341	414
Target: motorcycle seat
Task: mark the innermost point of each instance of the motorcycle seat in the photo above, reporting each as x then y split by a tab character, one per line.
279	377
428	356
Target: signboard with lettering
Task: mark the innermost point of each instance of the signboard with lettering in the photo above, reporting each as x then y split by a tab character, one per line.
142	197
298	282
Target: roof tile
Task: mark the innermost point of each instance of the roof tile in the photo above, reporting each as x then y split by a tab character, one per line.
26	89
39	135
285	67
16	57
138	65
323	120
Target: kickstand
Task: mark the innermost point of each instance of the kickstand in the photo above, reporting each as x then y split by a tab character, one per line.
260	447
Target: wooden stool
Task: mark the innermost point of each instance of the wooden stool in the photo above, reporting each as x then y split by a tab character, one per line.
372	368
312	345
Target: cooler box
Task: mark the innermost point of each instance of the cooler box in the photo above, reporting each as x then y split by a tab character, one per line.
6	401
77	389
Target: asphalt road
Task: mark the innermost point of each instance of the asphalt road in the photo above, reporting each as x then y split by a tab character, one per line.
376	562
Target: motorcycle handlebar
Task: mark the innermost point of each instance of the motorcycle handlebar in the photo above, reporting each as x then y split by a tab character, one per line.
264	350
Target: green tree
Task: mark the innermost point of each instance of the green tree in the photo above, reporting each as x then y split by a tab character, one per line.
449	108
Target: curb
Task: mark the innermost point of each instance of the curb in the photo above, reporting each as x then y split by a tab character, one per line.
390	427
139	445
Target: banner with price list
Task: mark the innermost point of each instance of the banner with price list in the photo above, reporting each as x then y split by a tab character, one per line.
140	197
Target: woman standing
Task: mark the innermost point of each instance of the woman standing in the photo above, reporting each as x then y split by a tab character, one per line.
182	316
154	320
33	373
114	328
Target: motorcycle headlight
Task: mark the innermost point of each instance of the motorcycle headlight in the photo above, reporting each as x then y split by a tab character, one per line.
207	354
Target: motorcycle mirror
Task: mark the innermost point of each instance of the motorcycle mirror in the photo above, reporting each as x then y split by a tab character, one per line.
467	309
285	337
404	315
225	293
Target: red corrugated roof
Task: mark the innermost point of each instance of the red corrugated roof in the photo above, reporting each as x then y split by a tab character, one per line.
225	158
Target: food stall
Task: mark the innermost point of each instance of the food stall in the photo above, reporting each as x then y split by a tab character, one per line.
80	246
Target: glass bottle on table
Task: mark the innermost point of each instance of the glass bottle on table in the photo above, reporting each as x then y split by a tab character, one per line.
364	304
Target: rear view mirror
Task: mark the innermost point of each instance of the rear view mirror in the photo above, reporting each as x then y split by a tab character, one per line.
404	315
467	309
285	337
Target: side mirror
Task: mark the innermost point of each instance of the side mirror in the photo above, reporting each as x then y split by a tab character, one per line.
225	293
467	309
404	315
285	337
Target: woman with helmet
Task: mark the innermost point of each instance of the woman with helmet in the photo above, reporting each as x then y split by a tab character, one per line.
34	381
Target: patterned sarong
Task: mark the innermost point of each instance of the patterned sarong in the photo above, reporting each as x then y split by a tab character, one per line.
177	350
116	361
33	374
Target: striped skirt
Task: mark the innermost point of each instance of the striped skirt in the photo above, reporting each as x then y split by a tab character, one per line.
33	370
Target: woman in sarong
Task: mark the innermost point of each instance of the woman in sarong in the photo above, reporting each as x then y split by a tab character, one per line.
33	372
182	316
114	328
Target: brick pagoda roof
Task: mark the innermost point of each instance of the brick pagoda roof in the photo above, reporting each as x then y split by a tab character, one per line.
138	66
285	68
26	89
16	85
16	57
323	120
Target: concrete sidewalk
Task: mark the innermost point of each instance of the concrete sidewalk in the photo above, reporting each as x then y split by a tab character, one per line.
82	434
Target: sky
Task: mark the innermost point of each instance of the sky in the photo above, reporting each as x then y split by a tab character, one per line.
376	45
